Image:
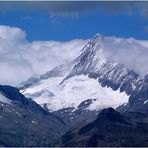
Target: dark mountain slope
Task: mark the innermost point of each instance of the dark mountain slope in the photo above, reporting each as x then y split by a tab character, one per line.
109	129
25	123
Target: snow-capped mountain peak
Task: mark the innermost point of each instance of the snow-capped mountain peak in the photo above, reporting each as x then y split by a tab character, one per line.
91	57
96	39
90	76
94	44
76	85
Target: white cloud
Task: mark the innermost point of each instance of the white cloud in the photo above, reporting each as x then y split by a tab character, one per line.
128	51
12	36
20	59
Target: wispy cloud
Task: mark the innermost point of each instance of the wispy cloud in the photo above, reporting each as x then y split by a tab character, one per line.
128	51
26	18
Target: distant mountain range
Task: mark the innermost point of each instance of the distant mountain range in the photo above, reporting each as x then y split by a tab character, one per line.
76	100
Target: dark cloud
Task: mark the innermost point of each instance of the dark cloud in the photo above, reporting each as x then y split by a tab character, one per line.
72	7
51	6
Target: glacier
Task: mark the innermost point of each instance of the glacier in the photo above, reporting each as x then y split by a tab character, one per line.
74	91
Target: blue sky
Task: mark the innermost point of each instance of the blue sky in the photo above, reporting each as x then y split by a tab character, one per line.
68	21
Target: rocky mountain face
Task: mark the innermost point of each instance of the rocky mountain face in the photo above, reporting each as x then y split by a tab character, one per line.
25	123
138	101
111	128
73	117
93	63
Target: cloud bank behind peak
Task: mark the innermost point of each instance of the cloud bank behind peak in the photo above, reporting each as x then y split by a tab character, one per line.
128	51
20	59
